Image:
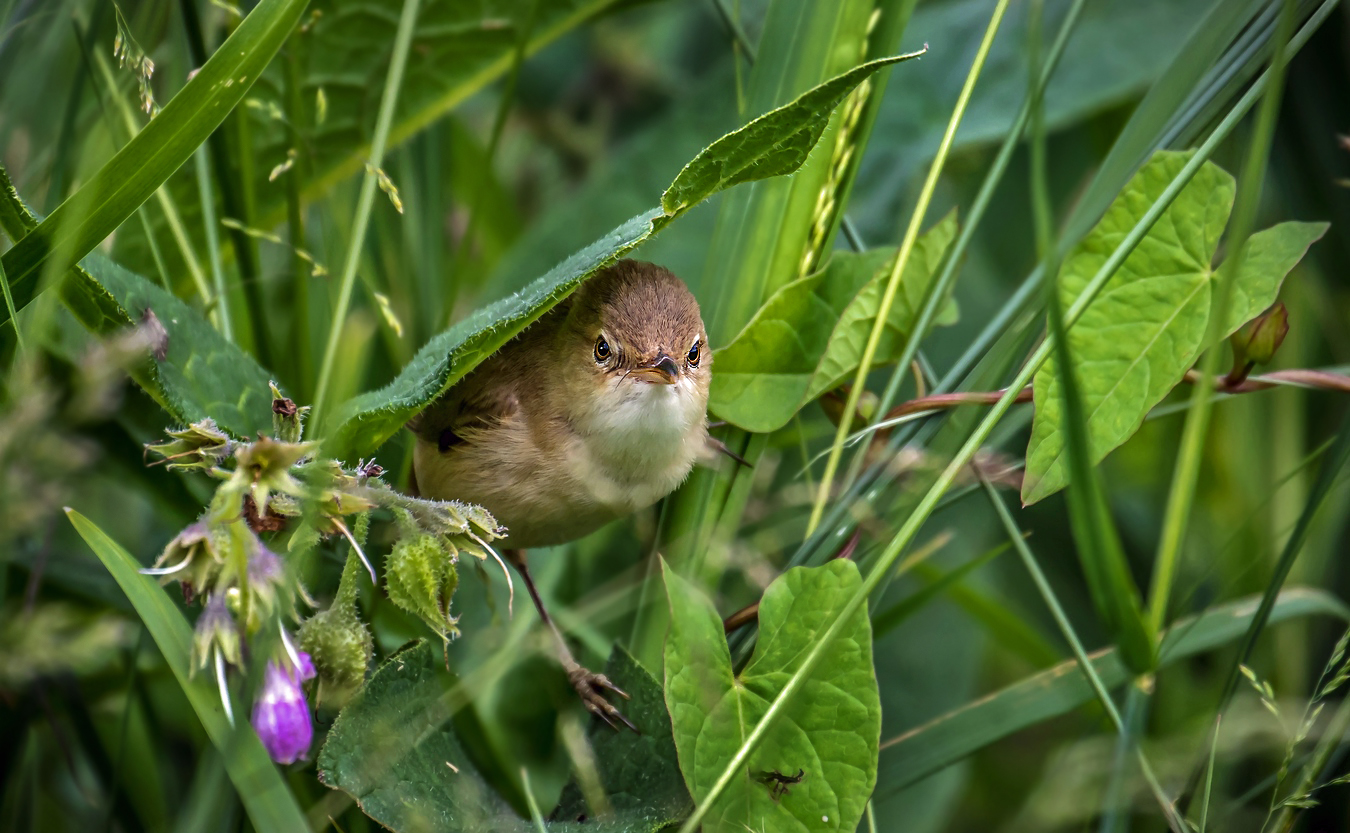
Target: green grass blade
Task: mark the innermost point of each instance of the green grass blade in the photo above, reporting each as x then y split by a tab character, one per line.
1326	479
1098	543
269	802
9	305
221	309
357	235
1186	474
112	194
926	749
898	267
885	621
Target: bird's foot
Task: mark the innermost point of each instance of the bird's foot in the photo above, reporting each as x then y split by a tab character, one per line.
593	689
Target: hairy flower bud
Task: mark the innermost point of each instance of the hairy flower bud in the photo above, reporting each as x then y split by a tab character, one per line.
192	558
201	445
337	639
287	418
281	714
420	577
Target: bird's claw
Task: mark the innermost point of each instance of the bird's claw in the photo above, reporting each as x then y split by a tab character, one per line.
593	689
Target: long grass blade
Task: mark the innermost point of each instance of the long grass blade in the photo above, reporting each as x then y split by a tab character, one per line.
269	802
365	201
963	456
1186	474
898	267
138	169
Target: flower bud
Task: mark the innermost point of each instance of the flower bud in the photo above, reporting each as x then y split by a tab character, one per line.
420	577
1266	333
192	558
265	467
833	403
287	418
281	714
199	446
337	639
215	631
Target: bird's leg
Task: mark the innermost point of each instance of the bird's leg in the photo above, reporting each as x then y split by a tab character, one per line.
590	686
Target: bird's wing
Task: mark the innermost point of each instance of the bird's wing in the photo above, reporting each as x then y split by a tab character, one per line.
478	401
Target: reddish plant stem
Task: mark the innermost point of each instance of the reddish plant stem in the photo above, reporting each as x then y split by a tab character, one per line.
1320	379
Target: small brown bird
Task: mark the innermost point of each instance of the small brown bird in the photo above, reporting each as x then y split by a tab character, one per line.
595	411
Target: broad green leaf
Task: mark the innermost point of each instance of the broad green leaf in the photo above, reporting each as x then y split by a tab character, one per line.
266	798
200	375
809	335
395	749
1136	341
114	192
1270	256
926	749
773	144
1138	338
829	733
768	146
639	771
344	51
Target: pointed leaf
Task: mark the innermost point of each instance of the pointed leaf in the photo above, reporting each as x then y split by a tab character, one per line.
1271	254
809	336
199	374
775	143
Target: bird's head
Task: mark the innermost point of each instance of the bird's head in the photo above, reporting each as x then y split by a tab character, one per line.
634	342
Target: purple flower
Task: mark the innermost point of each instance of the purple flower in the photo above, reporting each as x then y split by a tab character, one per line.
280	714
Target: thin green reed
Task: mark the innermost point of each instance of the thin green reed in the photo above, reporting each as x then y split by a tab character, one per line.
898	267
365	201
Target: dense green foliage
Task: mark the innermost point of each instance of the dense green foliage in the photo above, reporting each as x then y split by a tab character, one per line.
1137	208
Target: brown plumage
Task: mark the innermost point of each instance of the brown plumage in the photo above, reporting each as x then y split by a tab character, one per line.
594	412
597	410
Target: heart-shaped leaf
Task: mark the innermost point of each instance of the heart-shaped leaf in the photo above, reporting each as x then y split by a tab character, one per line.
1136	340
816	767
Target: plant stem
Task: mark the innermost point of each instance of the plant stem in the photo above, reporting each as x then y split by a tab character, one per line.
901	260
364	203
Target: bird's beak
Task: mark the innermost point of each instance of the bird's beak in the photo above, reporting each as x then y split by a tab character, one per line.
663	371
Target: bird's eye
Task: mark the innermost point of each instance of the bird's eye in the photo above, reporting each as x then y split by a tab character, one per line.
693	355
602	351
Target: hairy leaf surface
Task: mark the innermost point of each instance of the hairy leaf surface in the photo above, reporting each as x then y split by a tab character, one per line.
393	746
201	373
771	145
